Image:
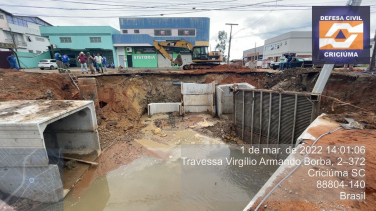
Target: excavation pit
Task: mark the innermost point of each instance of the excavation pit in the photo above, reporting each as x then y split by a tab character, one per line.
131	141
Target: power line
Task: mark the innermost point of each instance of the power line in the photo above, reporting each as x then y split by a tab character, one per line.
113	16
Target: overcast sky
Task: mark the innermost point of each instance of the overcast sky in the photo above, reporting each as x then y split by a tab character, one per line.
258	20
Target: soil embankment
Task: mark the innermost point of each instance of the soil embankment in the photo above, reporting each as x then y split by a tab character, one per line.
16	85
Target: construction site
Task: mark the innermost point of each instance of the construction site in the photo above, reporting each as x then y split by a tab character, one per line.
124	140
199	105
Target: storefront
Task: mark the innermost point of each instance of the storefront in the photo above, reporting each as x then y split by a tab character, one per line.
135	48
149	57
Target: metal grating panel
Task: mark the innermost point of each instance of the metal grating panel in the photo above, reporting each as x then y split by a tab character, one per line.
273	119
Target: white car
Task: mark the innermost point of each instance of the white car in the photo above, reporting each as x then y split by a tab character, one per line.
47	63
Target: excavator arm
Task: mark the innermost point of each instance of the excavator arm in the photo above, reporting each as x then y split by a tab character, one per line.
176	44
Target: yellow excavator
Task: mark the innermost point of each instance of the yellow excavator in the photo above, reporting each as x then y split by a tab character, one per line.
201	57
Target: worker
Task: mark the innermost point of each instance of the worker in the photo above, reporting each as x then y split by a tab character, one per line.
90	61
99	61
65	58
59	62
104	59
281	62
13	62
289	58
82	59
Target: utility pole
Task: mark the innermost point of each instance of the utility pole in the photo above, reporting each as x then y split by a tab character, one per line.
256	58
229	42
372	65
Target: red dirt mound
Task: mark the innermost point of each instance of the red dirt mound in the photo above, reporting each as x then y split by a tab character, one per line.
225	68
17	85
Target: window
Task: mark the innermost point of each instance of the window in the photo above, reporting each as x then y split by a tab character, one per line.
95	39
39	51
31	51
65	40
53	60
28	38
2	17
186	32
273	47
125	31
162	32
39	39
137	31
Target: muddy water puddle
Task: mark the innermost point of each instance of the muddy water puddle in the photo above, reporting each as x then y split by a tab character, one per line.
172	182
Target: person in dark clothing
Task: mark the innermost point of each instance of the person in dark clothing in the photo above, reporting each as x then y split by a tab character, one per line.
289	58
90	61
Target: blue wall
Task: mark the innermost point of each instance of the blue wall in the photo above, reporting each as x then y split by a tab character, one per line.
145	38
202	26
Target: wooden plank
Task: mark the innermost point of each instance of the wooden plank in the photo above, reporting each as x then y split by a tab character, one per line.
81	161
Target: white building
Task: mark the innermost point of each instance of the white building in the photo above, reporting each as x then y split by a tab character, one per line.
298	43
24	32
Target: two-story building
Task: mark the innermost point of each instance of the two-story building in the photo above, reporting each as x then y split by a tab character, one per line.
253	54
75	39
24	32
298	43
135	48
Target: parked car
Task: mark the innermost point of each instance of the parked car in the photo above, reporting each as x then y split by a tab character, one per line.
295	62
47	63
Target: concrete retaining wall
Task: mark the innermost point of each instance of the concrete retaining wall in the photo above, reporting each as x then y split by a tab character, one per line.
198	97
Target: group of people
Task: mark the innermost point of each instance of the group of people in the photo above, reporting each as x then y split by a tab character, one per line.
97	63
62	62
285	59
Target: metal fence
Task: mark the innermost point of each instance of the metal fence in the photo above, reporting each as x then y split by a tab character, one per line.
270	118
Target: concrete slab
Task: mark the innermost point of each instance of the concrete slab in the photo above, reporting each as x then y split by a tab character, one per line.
202	100
155	108
33	134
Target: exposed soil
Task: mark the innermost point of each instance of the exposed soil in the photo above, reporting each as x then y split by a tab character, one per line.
224	68
17	85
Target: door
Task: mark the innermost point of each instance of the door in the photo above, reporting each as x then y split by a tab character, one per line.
129	60
4	63
121	61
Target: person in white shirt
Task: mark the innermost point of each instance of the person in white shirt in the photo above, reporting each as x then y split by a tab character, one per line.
99	61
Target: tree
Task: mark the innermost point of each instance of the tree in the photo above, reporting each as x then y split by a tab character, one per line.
221	43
